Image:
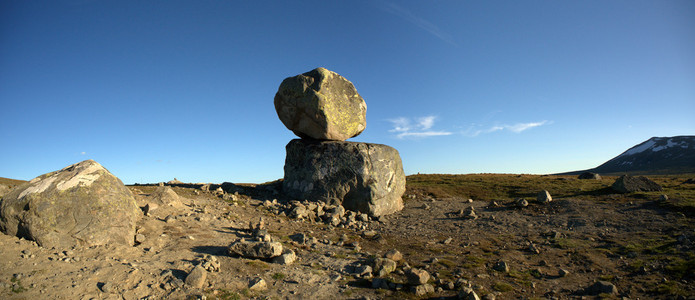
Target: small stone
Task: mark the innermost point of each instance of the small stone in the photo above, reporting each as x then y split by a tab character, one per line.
563	272
108	288
394	255
422	289
363	270
544	197
257	284
417	276
384	266
501	266
521	202
447	241
140	238
196	278
663	198
288	257
468	294
532	247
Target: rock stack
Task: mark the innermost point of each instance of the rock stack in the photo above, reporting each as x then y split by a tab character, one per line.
324	109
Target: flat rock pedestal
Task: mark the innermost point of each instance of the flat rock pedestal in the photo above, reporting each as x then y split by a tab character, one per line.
362	177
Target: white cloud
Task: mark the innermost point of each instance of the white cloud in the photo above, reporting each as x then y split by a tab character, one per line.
516	128
407	15
404	127
83	153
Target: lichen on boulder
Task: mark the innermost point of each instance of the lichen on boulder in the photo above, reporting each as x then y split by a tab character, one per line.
321	104
363	177
80	205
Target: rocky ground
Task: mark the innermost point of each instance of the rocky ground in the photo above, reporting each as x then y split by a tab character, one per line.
609	246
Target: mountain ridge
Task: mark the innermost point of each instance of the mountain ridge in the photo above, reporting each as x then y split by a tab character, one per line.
655	156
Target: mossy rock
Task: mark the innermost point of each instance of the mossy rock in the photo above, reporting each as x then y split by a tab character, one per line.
322	105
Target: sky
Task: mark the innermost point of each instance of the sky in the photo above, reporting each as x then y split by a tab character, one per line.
156	90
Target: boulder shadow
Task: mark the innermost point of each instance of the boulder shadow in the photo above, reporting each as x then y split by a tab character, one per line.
212	250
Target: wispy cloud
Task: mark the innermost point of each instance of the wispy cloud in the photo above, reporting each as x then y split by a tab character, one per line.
407	15
516	128
418	128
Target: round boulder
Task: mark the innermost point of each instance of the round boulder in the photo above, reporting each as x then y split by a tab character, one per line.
80	205
321	105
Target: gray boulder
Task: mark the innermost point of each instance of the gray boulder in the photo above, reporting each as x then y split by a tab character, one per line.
80	205
322	105
629	184
589	175
363	177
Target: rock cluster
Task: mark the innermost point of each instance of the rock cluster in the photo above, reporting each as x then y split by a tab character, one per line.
319	211
324	109
80	205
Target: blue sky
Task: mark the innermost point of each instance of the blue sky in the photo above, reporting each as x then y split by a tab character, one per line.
160	89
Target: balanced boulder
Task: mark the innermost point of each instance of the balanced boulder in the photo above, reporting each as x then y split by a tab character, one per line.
82	204
322	105
629	184
362	177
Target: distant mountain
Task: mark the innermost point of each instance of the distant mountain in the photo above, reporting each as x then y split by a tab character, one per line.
658	155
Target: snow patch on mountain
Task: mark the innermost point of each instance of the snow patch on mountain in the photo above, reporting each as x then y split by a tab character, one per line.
655	145
640	148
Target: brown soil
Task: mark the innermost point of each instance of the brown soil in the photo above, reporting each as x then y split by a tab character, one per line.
644	249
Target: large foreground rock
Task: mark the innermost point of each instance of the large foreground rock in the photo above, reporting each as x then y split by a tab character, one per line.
321	104
82	204
363	177
630	184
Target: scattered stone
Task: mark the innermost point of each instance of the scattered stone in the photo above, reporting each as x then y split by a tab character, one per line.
589	175
468	294
501	266
394	255
532	247
108	287
286	258
417	276
384	266
544	197
163	196
255	249
663	198
521	202
257	284
601	287
563	272
363	271
363	177
82	204
196	278
629	184
140	238
422	289
469	213
447	241
493	204
321	105
210	263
